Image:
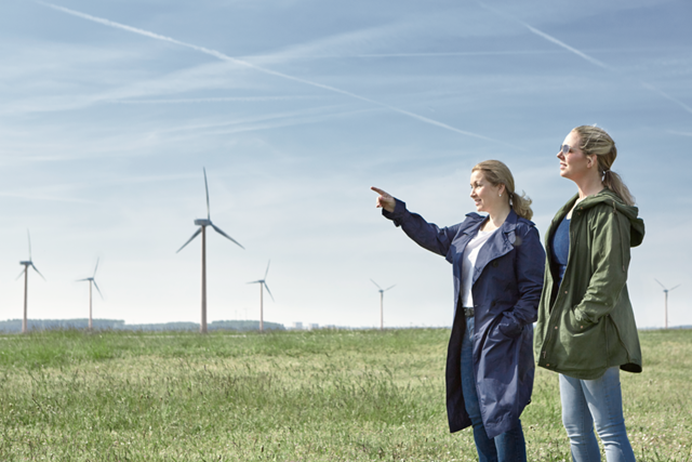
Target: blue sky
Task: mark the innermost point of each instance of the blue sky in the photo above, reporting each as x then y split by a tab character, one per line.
111	109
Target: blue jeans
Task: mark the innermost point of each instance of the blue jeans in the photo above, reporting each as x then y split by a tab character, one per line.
587	401
508	446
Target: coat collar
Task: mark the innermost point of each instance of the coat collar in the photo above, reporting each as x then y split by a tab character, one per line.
499	244
507	228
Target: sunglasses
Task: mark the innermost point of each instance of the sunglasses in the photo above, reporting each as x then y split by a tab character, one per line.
565	148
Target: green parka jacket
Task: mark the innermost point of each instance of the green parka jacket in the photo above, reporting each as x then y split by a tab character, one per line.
586	325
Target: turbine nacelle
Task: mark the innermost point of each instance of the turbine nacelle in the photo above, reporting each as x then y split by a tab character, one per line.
203	222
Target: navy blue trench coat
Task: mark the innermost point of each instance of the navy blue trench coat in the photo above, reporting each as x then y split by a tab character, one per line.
507	283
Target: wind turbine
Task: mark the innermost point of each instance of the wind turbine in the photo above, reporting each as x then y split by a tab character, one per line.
665	291
92	281
382	291
263	285
28	263
203	223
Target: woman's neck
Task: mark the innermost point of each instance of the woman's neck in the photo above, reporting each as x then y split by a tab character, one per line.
495	218
589	185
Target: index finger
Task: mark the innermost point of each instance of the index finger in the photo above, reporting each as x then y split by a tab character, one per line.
379	191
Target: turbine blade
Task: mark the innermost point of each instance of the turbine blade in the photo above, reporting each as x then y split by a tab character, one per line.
96	267
29	239
206	189
659	283
97	288
389	287
269	291
218	230
674	287
39	273
251	282
378	286
190	240
21	274
82	280
267	272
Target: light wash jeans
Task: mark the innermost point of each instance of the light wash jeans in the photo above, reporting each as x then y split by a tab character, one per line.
587	401
506	447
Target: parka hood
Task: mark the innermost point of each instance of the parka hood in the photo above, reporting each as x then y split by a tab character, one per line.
608	197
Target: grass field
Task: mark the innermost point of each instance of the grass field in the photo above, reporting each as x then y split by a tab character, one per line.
289	396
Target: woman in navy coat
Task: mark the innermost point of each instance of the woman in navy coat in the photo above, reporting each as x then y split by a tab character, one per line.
497	262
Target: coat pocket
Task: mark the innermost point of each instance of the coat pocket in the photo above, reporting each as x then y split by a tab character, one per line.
509	326
577	322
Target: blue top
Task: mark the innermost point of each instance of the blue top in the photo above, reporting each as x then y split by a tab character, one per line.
560	248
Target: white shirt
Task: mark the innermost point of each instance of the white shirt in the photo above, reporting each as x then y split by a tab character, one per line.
468	263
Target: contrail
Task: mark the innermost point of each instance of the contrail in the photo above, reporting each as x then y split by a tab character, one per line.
567	47
45	197
648	86
667	96
263	122
224	57
679	133
588	58
228	99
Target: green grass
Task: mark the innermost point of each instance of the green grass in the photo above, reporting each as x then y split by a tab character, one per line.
289	396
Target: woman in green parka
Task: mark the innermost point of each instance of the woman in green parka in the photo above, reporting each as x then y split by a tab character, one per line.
586	329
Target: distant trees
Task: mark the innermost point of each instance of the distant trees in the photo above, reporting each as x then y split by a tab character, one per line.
15	325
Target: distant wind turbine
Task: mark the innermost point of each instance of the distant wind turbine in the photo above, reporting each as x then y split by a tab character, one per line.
263	285
28	263
382	291
203	223
92	281
665	291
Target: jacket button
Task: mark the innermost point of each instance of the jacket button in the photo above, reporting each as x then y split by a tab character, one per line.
555	327
547	365
565	291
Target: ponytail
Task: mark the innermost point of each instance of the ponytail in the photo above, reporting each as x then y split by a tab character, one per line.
521	205
613	181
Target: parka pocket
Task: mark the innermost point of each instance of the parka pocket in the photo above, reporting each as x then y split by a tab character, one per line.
576	322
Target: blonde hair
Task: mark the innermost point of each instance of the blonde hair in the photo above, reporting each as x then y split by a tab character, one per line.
594	140
498	173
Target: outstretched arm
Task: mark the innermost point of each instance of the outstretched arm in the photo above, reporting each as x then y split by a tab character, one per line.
427	235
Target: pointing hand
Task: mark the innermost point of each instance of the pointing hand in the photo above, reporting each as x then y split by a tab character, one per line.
384	200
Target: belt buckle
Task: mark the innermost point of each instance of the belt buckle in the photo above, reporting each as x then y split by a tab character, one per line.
468	312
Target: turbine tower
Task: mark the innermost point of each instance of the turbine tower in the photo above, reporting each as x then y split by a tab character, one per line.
92	281
203	223
263	285
665	291
382	291
27	263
